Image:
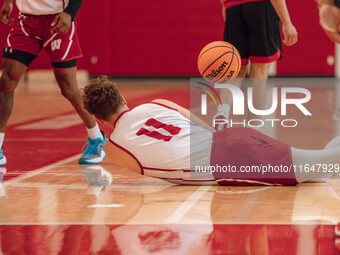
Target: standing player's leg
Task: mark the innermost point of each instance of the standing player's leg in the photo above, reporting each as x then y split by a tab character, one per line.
258	75
10	77
223	110
63	50
65	74
20	50
14	63
66	79
235	32
264	46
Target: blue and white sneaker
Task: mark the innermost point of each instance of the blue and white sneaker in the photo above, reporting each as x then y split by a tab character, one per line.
94	152
3	159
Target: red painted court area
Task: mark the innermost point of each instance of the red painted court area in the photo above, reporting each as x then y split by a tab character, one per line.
28	149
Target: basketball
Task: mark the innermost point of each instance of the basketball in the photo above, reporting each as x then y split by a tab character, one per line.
218	62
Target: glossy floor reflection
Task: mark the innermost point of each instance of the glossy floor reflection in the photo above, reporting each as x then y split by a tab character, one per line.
85	194
167	239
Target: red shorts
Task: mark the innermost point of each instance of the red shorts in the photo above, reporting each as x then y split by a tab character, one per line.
31	33
252	157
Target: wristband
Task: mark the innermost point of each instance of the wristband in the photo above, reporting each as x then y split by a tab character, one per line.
73	8
337	3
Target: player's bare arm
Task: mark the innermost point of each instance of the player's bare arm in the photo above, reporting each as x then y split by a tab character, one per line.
289	31
62	21
122	158
5	12
186	113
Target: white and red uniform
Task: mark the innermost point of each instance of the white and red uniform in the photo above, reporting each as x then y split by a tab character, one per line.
31	31
168	146
158	137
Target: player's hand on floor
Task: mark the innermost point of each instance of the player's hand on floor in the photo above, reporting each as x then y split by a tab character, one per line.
330	21
61	23
5	13
289	33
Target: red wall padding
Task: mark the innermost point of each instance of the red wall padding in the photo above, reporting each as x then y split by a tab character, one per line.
154	37
309	55
149	37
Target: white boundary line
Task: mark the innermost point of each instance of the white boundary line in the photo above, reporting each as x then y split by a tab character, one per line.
40	170
105	206
178	214
317	223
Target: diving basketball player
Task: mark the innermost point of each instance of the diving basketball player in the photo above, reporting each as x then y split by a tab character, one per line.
161	139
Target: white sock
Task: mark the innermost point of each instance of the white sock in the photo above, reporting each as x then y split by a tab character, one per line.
224	108
2	137
94	132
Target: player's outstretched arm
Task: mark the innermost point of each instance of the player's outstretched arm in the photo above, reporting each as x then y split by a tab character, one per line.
289	32
186	113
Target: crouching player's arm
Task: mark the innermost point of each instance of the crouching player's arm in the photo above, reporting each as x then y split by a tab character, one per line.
186	113
122	158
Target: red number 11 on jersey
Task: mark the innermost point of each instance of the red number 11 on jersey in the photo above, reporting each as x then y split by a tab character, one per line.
159	125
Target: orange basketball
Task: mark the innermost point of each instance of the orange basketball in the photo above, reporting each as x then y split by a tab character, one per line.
219	61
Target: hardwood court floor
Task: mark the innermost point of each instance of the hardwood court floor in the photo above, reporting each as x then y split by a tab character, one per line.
55	210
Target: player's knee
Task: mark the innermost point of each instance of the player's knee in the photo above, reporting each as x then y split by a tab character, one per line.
7	82
66	93
69	94
259	70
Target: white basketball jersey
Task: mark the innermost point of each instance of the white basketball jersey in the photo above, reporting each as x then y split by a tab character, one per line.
41	7
159	138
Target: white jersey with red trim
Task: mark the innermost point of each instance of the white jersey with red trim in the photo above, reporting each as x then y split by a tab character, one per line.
159	138
41	7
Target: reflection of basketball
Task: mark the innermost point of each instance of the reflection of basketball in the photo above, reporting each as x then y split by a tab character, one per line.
219	62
